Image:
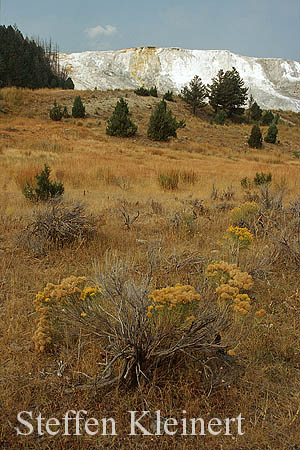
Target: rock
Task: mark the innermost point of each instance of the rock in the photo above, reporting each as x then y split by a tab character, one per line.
273	82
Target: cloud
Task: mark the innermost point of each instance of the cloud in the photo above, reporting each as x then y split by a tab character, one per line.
107	30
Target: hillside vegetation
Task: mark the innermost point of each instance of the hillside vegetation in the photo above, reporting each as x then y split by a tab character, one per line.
164	213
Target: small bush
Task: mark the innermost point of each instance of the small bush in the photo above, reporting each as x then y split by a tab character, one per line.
153	91
44	189
168	96
220	118
162	124
272	134
246	183
56	225
169	180
255	140
56	112
142	91
262	178
65	113
78	110
119	124
244	215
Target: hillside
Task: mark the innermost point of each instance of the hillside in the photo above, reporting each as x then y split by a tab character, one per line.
274	83
147	235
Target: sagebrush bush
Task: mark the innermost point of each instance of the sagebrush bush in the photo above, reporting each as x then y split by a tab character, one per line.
137	338
44	189
58	224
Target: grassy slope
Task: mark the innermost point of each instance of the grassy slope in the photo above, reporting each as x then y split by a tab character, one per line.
106	172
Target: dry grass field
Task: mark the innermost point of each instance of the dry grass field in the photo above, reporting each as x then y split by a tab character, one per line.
171	234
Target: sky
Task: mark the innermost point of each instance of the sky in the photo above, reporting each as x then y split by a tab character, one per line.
261	28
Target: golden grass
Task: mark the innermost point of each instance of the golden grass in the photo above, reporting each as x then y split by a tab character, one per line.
109	172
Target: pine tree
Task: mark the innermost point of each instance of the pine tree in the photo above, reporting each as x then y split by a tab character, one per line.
195	93
56	112
255	112
44	189
272	134
119	124
267	118
227	92
78	110
255	140
162	124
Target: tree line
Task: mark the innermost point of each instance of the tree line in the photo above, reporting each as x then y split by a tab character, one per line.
29	64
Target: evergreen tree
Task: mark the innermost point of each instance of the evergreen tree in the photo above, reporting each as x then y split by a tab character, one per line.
44	189
255	112
69	83
227	92
119	124
267	118
26	63
272	134
195	93
162	124
56	112
255	140
78	110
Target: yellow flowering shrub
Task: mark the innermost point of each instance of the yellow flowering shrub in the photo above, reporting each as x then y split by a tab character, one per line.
244	213
180	299
231	282
240	236
53	296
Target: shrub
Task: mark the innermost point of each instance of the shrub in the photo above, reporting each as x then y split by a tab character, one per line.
169	180
168	96
65	113
243	215
162	124
56	112
141	330
241	236
58	224
44	189
272	134
220	118
262	178
119	124
255	140
153	91
78	110
267	118
246	183
142	91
